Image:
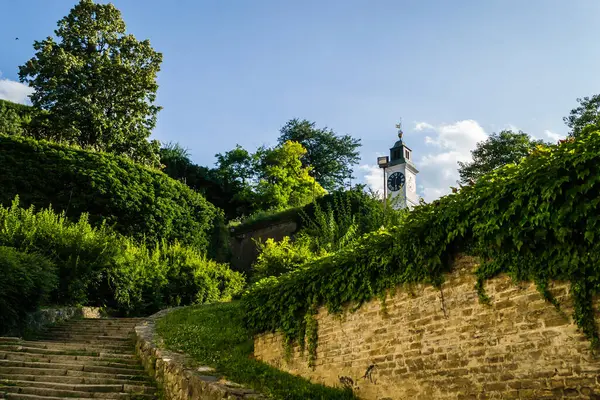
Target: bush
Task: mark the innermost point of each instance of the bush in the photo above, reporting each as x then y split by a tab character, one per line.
367	209
536	221
100	267
27	280
139	202
328	228
276	258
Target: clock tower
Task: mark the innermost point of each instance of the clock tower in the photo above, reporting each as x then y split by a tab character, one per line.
402	175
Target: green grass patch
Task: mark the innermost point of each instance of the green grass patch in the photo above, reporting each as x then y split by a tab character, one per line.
215	335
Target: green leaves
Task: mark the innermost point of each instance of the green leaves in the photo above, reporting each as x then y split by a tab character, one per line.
138	201
97	82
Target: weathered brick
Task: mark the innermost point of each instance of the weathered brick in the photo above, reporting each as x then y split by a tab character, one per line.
520	347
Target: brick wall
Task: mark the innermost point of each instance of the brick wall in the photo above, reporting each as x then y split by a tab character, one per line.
432	344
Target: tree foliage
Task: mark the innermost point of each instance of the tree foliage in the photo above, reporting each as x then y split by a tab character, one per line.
497	150
284	181
587	113
97	82
224	191
330	156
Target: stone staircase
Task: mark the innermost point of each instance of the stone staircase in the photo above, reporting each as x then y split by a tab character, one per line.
83	358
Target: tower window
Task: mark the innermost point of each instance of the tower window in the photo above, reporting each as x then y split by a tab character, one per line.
407	154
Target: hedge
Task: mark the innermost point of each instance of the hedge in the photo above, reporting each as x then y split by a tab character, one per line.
138	201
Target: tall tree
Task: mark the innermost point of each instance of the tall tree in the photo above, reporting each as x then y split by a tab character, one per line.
330	156
283	181
98	82
587	113
497	150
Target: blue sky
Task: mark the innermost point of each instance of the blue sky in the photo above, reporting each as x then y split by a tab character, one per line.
235	71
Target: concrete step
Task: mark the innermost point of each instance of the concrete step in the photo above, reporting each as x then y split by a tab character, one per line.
78	359
76	380
91	337
72	367
66	372
57	393
98	332
88	387
71	346
98	360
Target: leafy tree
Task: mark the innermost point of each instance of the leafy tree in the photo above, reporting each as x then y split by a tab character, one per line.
588	113
219	185
284	182
497	150
10	121
98	83
330	156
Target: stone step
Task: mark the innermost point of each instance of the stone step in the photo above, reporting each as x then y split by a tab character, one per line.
91	337
72	367
66	372
77	380
6	339
57	393
62	351
97	331
62	345
69	359
104	322
88	387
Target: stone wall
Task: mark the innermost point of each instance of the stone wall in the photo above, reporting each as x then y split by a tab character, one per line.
243	247
431	344
37	320
179	377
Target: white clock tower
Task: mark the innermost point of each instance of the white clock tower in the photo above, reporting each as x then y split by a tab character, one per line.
401	174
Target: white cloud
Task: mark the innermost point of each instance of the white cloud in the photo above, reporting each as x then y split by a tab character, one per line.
373	177
421	126
553	136
450	144
14	91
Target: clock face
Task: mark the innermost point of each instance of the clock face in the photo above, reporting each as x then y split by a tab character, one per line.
395	181
411	183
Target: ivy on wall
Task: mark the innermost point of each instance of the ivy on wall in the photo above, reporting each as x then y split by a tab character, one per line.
536	221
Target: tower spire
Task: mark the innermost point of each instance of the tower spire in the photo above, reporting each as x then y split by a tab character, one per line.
399	127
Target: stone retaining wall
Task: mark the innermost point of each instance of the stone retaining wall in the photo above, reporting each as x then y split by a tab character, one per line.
428	343
38	320
177	375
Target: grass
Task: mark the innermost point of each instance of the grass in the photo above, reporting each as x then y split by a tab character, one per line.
215	335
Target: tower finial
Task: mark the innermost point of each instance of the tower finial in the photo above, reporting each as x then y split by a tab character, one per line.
399	127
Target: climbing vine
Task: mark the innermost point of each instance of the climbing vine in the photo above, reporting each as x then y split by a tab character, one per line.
536	221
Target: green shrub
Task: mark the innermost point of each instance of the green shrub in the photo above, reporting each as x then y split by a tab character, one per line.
139	202
536	221
328	228
27	280
100	267
367	209
276	258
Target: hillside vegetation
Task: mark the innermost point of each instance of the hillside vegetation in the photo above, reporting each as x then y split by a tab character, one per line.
138	201
537	220
47	259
